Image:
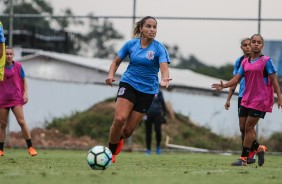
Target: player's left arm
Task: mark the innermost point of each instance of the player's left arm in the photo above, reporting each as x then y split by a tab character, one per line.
164	74
25	88
273	78
164	60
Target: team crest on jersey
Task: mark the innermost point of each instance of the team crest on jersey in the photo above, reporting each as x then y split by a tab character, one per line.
121	91
150	55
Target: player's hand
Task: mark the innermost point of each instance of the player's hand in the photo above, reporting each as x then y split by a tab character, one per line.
110	80
165	82
25	98
279	104
227	105
218	87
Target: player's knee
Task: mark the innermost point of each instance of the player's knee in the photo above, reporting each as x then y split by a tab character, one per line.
120	120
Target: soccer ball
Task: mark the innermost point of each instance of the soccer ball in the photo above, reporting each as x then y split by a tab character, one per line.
99	158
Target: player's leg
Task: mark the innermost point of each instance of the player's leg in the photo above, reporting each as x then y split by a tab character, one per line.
122	111
158	131
260	149
4	112
148	134
18	112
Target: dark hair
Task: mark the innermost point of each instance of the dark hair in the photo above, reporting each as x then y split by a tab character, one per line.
258	36
245	39
8	47
139	24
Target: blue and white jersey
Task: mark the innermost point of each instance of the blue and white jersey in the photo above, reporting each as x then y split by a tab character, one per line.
2	38
144	65
235	71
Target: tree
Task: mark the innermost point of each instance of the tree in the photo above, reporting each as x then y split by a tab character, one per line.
39	34
101	38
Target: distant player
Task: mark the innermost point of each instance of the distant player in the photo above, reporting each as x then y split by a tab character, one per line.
260	84
13	95
2	52
246	48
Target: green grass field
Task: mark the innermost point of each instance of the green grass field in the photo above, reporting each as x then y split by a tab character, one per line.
70	167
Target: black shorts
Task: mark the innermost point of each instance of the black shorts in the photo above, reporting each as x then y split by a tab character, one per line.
239	104
8	108
245	112
141	101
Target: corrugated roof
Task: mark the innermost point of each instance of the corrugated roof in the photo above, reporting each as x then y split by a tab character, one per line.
182	78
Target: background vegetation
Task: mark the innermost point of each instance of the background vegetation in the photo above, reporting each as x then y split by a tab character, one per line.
96	121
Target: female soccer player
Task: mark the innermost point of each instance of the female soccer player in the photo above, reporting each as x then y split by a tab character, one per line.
13	95
139	83
246	48
258	98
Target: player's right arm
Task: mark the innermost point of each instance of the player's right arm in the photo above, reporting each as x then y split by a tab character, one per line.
232	88
230	93
113	68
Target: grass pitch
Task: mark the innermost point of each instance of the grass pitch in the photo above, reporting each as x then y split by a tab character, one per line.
70	167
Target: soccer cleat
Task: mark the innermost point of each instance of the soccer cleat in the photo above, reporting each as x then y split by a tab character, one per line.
260	152
32	151
148	152
242	161
1	153
119	147
251	160
114	159
158	150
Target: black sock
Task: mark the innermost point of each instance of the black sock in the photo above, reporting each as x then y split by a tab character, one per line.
255	145
2	146
29	143
113	148
245	152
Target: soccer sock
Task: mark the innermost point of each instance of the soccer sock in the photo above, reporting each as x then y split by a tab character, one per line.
245	152
29	143
255	145
113	147
2	146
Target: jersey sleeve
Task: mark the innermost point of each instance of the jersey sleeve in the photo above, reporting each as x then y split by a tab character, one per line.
269	66
236	66
164	56
124	51
22	73
2	38
241	71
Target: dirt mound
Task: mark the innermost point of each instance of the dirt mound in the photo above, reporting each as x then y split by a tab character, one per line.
53	138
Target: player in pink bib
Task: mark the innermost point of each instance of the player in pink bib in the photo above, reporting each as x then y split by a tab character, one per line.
260	84
13	95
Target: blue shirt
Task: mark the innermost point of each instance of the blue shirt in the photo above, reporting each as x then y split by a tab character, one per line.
242	81
144	64
2	38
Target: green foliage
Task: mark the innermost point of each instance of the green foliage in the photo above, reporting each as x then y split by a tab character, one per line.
99	39
192	63
274	142
96	123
